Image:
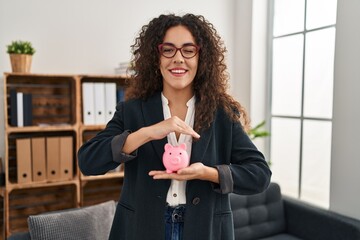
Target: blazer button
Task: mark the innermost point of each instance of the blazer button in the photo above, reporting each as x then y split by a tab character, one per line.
196	201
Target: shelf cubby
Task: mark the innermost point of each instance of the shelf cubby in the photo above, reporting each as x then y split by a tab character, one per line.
33	201
52	98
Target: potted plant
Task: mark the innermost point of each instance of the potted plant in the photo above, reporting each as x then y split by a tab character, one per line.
20	55
259	132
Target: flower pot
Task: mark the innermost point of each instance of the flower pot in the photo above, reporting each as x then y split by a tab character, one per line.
21	62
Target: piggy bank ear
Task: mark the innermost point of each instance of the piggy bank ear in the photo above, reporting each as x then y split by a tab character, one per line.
183	146
168	147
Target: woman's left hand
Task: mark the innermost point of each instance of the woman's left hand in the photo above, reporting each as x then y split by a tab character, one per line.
194	171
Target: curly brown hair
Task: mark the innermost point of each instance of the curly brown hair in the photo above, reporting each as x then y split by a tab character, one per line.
211	80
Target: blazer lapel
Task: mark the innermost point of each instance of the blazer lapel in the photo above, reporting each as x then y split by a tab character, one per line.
153	113
199	147
198	150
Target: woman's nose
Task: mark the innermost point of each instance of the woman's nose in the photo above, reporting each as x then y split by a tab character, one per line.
178	58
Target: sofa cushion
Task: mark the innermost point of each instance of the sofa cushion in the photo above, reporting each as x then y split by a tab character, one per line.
258	216
87	223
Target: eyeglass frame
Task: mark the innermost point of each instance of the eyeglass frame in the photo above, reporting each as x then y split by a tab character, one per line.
178	49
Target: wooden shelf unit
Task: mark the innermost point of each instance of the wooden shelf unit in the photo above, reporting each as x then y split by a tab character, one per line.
56	112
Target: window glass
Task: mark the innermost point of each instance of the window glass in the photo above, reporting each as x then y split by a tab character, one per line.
320	13
287	75
285	152
288	16
319	73
302	96
315	180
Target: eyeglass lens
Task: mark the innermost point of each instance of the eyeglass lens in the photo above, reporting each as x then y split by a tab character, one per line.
169	51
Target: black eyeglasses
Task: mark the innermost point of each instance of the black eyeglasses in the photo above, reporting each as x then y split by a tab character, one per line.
187	51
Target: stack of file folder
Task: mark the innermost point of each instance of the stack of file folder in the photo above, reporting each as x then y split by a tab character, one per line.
20	108
44	159
99	101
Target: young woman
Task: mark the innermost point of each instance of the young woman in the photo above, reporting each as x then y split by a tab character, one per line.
177	95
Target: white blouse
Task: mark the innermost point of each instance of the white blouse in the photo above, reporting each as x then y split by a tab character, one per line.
177	191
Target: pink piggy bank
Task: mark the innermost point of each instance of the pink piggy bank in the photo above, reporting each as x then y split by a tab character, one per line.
175	158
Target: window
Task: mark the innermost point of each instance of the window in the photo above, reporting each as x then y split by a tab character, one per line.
302	70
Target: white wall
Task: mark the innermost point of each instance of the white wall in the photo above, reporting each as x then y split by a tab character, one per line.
250	48
259	78
92	36
345	162
242	64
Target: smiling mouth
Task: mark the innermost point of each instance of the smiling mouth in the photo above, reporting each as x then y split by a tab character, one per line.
178	71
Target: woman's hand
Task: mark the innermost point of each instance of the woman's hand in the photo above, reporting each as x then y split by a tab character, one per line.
194	171
156	132
173	124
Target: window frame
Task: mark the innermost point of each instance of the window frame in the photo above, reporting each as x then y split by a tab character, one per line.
301	118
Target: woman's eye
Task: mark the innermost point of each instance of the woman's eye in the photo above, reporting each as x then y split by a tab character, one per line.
189	50
168	50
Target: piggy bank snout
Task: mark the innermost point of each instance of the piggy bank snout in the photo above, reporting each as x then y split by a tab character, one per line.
175	160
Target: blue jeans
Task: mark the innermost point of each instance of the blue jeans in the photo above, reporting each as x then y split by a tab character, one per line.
174	222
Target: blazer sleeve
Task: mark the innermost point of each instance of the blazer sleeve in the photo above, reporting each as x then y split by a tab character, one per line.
104	152
247	173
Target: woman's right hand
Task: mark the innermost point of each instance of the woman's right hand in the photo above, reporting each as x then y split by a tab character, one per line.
156	132
173	124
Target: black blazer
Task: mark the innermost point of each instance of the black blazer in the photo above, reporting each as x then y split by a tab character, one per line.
140	211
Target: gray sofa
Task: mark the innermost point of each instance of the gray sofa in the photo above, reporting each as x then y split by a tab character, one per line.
87	223
271	216
266	216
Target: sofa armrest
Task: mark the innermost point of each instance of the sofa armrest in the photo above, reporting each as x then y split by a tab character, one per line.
311	222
